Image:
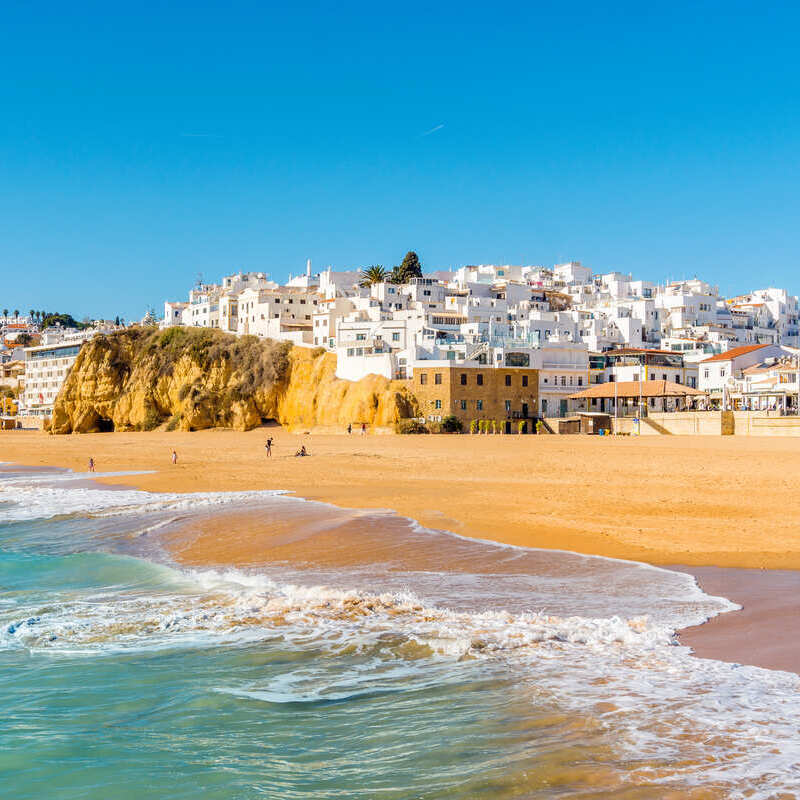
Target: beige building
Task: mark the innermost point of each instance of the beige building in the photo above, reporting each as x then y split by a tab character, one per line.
505	394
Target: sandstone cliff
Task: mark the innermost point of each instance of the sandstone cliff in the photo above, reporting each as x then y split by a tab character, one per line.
192	379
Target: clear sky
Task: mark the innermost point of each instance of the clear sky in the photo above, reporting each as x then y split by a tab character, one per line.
144	143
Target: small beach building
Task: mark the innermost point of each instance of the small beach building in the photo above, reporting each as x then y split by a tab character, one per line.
631	398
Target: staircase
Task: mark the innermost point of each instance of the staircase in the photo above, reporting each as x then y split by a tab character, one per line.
546	427
480	349
646	422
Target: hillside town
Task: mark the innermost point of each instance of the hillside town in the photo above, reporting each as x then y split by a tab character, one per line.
580	331
519	344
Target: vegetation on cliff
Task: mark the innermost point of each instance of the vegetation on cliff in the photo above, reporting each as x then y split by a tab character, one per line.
190	378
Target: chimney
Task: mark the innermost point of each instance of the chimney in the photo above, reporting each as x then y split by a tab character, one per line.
308	268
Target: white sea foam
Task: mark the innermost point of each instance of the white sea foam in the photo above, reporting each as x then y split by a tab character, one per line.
702	720
46	496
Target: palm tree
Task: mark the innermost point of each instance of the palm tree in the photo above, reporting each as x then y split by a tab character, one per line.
375	273
5	314
16	314
31	313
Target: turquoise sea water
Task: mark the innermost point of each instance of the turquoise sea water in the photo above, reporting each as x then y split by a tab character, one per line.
471	675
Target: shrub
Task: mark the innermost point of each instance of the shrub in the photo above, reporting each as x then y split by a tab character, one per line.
539	426
410	426
152	419
452	424
494	425
173	422
473	426
520	427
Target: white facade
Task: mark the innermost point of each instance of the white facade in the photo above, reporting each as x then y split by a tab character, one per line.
46	369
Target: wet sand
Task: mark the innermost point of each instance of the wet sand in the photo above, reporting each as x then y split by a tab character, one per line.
765	633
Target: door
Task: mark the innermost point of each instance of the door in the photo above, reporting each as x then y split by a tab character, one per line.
525	411
562	411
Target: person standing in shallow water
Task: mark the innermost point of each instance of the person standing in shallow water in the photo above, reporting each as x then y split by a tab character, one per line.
268	446
174	457
91	465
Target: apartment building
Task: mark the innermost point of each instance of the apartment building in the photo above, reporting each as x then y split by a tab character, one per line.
46	369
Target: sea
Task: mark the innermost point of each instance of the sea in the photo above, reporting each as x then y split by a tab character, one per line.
353	654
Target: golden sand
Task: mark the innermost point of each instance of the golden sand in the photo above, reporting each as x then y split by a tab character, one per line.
725	501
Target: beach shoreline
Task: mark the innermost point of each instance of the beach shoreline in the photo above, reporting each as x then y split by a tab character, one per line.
479	497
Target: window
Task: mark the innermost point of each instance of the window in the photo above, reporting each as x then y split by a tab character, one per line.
437	404
437	378
508	380
463	405
524	380
663	376
563	380
360	337
395	337
508	406
479	405
463	378
580	381
705	373
479	379
423	378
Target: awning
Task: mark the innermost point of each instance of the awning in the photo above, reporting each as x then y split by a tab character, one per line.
643	389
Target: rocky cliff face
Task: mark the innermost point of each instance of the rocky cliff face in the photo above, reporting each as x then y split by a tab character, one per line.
193	379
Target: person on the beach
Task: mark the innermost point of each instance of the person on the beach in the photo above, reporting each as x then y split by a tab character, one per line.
91	465
363	428
268	446
174	457
349	428
301	452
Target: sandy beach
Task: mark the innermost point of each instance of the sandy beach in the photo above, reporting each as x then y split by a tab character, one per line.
700	502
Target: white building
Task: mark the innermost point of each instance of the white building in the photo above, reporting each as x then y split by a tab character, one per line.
46	368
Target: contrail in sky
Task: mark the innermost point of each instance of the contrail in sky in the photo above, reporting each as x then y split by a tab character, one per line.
433	130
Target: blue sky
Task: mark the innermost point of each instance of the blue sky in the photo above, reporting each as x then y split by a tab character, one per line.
140	146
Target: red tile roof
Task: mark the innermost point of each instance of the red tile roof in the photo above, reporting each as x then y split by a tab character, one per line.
735	353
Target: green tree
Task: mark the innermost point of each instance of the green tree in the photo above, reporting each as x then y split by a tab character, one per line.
452	424
31	313
408	269
375	273
16	314
24	339
5	313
